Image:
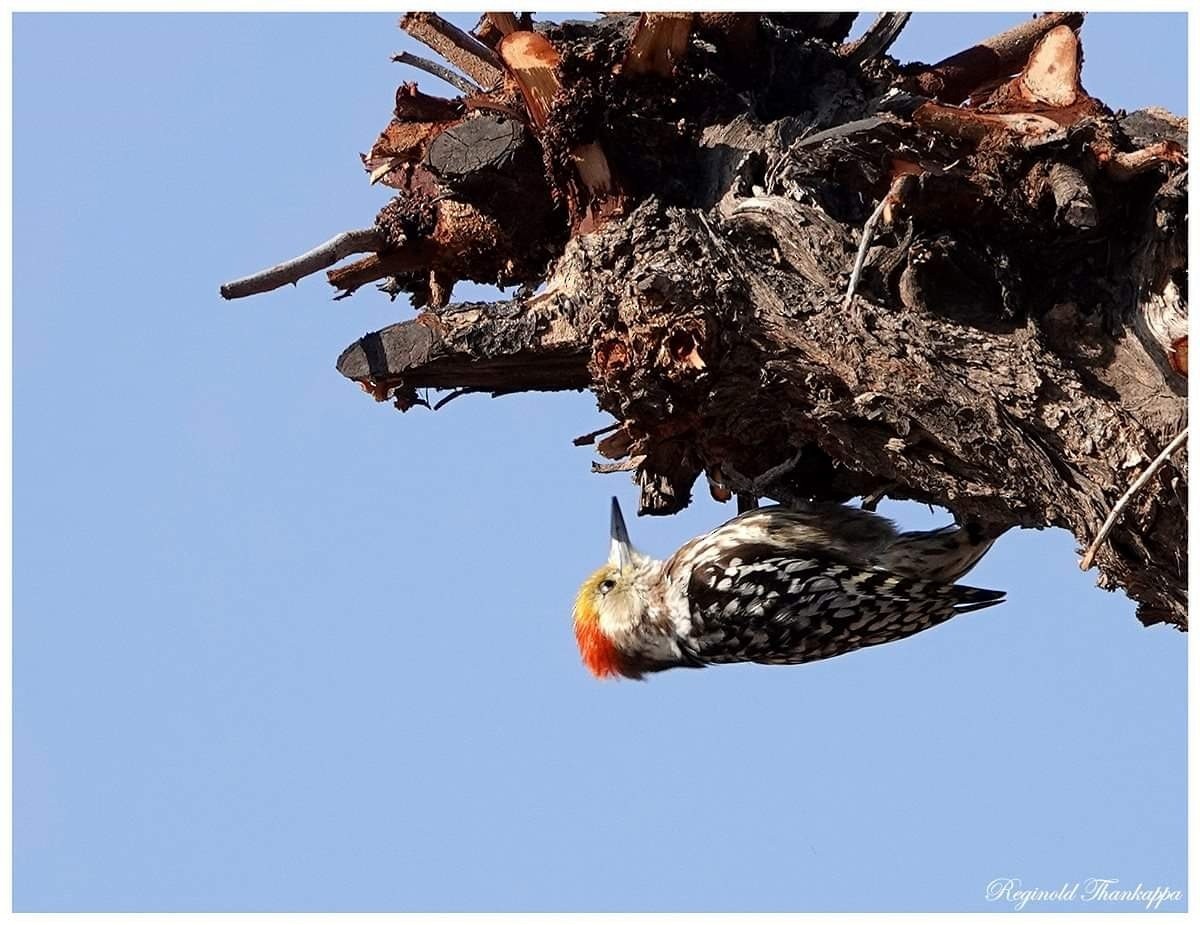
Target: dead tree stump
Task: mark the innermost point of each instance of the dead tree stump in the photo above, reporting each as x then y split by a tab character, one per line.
759	246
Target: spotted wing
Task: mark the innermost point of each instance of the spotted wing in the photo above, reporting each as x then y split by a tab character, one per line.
754	605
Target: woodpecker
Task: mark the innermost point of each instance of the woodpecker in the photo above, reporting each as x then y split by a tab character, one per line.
777	586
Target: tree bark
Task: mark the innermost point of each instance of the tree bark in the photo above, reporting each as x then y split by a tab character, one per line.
1015	345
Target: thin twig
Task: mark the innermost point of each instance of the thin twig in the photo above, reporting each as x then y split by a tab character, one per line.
775	473
453	395
439	71
359	241
589	439
868	232
871	502
877	39
765	484
1086	562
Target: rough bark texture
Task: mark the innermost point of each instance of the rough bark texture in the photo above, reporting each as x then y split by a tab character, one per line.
1015	346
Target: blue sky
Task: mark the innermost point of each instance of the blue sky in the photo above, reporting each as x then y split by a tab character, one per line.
277	647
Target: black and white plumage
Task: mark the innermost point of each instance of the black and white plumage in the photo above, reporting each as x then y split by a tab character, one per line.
775	586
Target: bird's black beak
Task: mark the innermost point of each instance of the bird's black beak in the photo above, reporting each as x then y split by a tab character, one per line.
620	552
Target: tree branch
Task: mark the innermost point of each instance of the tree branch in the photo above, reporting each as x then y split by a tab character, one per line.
471	57
952	79
518	349
359	241
457	81
378	266
1124	165
971	125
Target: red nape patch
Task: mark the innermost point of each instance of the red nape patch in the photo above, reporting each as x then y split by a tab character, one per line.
599	654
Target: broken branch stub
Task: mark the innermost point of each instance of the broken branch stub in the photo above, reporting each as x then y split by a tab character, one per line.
503	23
659	43
1052	74
534	62
953	79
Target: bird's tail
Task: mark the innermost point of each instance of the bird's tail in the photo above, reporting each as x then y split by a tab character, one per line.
945	554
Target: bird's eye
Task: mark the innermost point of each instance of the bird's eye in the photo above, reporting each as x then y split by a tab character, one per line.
607	585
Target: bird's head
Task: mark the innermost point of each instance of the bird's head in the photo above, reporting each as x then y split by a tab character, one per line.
611	604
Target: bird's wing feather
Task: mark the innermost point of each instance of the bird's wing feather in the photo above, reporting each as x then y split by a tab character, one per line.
751	604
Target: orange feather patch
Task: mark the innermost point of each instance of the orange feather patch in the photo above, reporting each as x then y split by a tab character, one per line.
599	654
